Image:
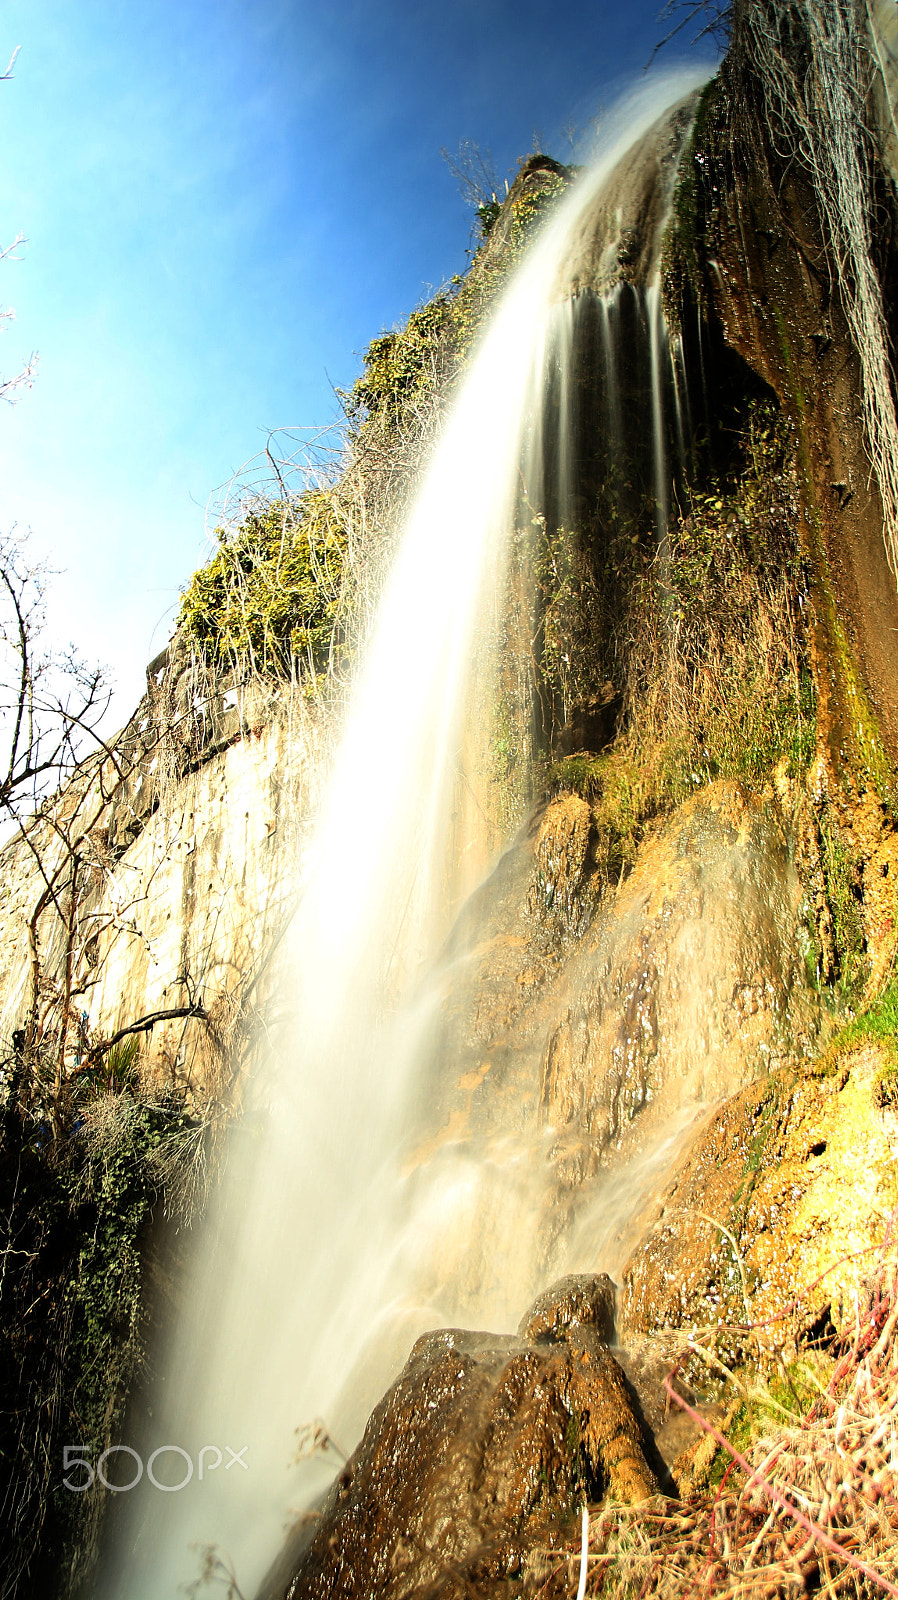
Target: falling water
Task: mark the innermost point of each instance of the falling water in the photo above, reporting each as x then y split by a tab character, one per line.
309	1284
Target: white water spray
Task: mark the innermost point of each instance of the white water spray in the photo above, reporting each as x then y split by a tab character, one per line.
310	1282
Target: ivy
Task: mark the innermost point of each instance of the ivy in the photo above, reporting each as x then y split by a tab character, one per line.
399	367
75	1216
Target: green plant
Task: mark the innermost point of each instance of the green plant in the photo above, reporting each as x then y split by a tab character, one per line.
269	599
75	1216
876	1024
401	367
707	639
841	877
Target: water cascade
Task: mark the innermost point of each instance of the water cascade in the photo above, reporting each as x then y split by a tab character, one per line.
337	1239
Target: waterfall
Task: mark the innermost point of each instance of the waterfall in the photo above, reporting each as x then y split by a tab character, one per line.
311	1278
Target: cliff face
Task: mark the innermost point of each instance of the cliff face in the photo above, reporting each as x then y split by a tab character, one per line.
190	872
715	966
770	280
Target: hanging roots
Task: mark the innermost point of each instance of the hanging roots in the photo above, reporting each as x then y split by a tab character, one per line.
817	60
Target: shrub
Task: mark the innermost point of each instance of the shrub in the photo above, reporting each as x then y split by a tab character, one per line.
268	600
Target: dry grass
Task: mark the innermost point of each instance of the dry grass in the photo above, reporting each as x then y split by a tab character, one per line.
809	1507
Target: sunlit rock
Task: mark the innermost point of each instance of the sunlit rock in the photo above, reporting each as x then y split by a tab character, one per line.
777	1214
479	1446
578	1301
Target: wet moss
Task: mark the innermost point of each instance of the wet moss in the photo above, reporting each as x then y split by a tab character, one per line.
876	1024
76	1213
783	1399
713	647
684	255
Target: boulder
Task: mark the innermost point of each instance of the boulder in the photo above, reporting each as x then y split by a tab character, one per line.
483	1442
777	1211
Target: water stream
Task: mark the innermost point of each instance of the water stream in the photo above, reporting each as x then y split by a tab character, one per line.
315	1272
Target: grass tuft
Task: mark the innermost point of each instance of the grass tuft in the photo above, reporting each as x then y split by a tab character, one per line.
804	1495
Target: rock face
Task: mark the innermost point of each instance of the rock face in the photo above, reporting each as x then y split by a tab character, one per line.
193	884
479	1446
769	279
583	1021
777	1212
578	1301
620	239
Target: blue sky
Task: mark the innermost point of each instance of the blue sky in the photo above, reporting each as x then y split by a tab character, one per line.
224	200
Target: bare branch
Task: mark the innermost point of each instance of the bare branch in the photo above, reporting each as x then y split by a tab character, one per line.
143	1025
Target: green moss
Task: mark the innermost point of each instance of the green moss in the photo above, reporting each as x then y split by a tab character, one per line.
685	246
860	754
765	1121
719	682
840	873
876	1024
784	1398
269	598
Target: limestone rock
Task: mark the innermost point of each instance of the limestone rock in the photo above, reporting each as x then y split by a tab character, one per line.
777	1211
693	975
558	892
482	1440
567	1058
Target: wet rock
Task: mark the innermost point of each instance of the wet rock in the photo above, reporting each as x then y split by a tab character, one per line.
592	722
565	1059
619	238
767	281
482	1441
649	1368
559	890
583	1300
693	976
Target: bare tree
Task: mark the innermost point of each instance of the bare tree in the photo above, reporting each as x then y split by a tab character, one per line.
712	18
62	783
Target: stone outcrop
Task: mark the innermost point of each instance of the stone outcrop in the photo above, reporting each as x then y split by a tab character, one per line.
584	1052
192	877
778	1211
483	1443
769	281
578	1301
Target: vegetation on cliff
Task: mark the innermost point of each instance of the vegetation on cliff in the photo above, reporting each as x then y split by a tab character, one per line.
76	1211
293	582
268	602
713	654
795	1492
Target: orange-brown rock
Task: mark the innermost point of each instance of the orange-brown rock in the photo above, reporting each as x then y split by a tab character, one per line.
480	1442
778	1211
582	1300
